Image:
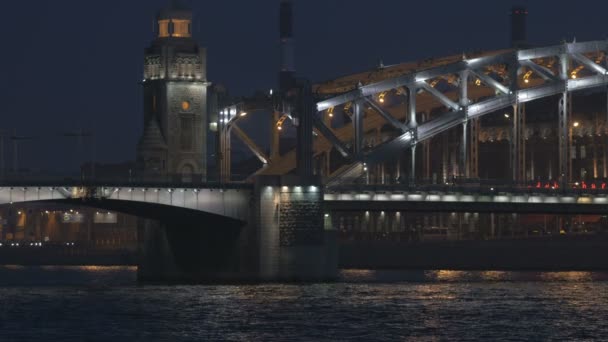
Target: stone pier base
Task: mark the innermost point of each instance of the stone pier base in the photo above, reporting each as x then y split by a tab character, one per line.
293	242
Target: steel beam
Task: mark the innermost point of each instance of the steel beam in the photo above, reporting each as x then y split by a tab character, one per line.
387	116
464	102
413	165
224	154
253	147
542	71
358	129
426	153
563	127
439	96
589	63
411	102
330	136
518	144
474	148
491	82
462	165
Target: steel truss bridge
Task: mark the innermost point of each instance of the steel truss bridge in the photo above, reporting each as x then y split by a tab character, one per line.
419	101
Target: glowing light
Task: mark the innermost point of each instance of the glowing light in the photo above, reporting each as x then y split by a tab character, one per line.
576	124
185	105
478	82
243	114
381	97
507	115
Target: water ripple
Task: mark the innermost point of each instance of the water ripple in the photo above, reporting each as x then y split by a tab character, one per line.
364	306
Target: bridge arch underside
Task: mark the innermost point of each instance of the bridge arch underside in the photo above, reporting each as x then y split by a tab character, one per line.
167	214
176	243
463	88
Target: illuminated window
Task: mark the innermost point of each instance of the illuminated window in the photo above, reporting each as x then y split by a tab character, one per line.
185	105
181	28
163	28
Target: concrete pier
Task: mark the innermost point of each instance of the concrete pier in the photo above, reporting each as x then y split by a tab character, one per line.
285	238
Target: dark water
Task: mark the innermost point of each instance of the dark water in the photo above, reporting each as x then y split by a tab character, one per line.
105	304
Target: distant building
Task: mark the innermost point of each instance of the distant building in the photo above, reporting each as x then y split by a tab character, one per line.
175	84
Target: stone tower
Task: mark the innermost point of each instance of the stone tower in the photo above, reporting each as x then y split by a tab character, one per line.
173	144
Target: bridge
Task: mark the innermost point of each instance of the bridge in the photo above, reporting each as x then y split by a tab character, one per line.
348	162
468	199
405	98
402	107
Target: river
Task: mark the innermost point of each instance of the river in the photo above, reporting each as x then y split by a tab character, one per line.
107	304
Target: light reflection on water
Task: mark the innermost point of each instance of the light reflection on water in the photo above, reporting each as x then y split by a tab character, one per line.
105	303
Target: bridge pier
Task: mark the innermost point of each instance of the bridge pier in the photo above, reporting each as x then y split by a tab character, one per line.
285	235
296	238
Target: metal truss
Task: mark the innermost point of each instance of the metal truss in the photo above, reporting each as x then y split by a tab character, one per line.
573	71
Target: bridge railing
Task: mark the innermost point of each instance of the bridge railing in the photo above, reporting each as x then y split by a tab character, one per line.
474	186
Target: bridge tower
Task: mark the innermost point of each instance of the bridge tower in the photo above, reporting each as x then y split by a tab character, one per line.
175	100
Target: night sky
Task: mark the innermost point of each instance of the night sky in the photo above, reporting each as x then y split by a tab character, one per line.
77	64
